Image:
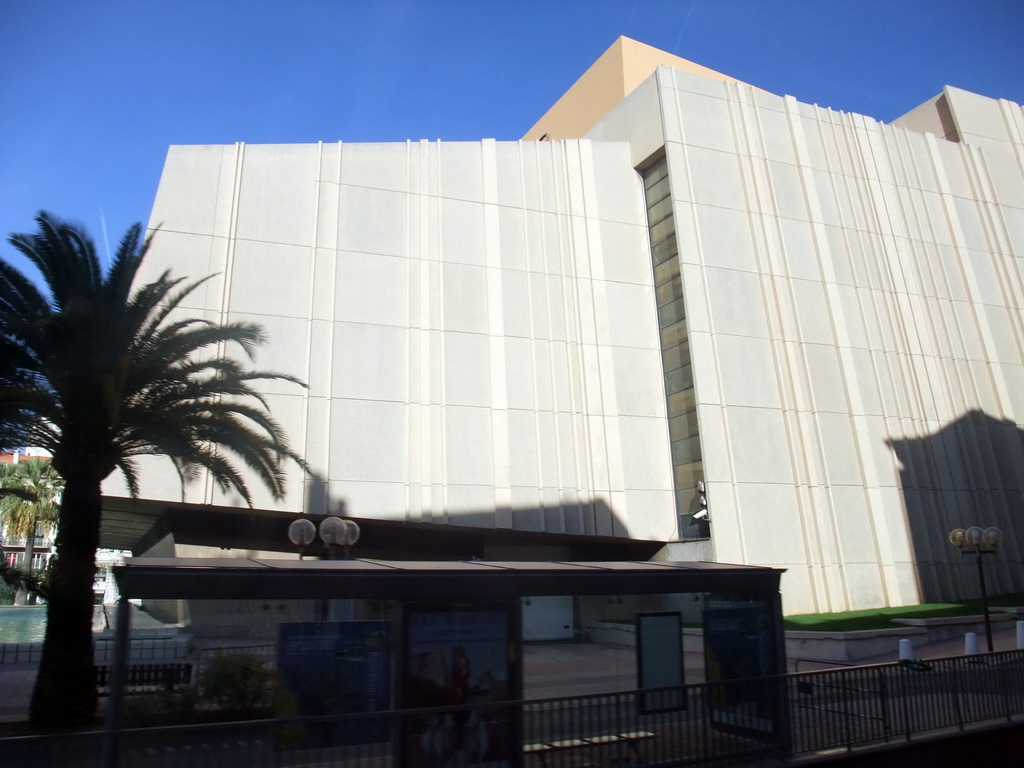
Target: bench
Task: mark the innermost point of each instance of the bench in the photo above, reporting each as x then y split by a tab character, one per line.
630	739
145	677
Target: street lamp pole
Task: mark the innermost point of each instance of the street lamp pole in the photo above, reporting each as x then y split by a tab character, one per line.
984	600
978	538
334	532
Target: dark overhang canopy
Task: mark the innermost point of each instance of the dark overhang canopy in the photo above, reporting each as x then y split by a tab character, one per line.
124	522
140	524
238	579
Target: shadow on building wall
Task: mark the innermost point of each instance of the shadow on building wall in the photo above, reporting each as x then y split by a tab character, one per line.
594	517
518	533
970	472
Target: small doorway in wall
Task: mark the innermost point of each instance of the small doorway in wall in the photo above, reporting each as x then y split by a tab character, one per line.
549	618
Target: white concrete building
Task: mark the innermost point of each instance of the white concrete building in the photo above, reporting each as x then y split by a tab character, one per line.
817	314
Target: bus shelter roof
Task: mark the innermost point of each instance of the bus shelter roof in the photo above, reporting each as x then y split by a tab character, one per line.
243	578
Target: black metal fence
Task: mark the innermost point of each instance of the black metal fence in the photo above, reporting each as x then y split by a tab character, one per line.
706	724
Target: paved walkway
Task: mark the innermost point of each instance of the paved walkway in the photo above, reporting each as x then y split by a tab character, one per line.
1002	640
549	669
16	681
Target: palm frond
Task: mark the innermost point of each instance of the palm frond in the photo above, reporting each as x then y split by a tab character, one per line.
64	255
119	372
127	258
130	473
17	578
30	492
19	297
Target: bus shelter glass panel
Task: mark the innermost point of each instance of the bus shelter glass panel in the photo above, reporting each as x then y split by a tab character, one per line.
462	660
742	654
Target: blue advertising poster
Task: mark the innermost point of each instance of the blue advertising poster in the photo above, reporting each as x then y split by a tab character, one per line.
739	648
335	668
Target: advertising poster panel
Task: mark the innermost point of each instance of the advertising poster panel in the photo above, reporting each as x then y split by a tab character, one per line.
462	657
336	668
659	659
740	646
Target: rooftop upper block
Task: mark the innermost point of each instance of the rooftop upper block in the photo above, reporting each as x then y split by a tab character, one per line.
609	80
954	115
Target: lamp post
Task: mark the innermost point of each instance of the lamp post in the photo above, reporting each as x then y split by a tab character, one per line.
334	532
978	539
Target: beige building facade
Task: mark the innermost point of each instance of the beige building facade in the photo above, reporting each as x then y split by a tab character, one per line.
815	314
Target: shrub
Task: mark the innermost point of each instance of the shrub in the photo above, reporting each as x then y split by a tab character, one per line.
237	681
147	710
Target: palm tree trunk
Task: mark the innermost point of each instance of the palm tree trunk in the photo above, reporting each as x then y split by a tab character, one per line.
65	690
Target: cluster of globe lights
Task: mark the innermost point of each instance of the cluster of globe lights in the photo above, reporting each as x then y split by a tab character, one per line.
334	532
976	537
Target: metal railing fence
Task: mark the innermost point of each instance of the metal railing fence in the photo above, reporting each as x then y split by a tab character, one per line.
856	706
704	724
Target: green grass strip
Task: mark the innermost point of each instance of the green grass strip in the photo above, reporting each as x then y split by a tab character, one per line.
881	618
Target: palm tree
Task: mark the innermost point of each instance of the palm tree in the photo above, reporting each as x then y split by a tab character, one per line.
29	501
98	374
19	580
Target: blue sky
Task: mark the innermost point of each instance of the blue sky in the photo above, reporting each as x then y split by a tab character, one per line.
93	93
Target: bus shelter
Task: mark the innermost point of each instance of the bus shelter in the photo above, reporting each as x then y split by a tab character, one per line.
458	633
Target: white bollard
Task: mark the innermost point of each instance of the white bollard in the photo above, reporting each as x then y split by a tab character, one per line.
1020	635
905	650
971	644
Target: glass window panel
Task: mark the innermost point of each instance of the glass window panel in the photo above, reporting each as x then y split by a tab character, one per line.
672	335
693	530
678	380
687	475
663	229
685	498
673	289
666	271
671	313
683	426
686	505
656	196
655	173
657	191
666	249
675	381
686	451
659	211
675	357
681	402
